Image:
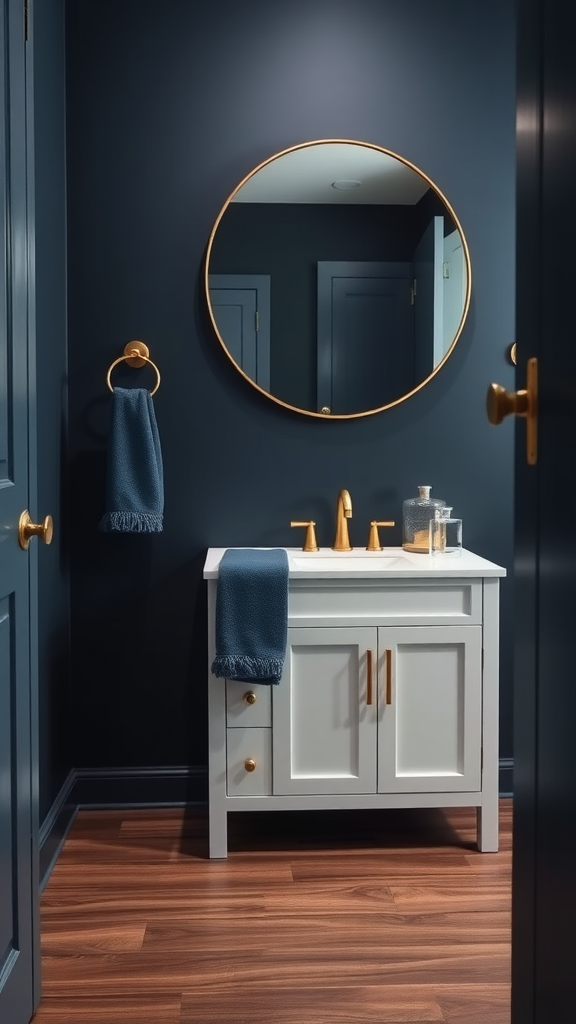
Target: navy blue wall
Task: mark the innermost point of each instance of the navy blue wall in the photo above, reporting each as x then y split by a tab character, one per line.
169	105
52	398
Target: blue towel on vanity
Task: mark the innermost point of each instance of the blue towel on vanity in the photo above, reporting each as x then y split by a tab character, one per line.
134	483
251	615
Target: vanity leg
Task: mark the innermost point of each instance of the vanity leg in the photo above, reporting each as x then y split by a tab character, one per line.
218	834
487	813
487	826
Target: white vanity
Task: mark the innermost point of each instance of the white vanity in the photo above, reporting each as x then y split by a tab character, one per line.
389	695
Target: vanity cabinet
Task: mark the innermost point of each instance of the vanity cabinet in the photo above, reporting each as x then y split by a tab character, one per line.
388	698
379	710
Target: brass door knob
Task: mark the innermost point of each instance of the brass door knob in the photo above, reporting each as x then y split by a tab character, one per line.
27	529
250	697
501	403
250	764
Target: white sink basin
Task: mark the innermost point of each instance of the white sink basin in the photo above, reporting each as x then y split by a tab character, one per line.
346	561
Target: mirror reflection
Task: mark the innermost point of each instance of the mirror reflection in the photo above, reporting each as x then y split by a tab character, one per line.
337	278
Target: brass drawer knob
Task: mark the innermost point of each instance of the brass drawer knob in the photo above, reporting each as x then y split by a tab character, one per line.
250	764
250	697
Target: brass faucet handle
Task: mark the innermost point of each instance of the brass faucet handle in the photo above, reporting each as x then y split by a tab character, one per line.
374	538
310	542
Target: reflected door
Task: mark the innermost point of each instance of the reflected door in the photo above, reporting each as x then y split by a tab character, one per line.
364	335
428	300
454	286
241	308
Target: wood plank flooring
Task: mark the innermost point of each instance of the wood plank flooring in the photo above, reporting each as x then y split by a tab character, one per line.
353	917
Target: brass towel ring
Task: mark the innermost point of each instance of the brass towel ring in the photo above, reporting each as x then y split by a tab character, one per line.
136	353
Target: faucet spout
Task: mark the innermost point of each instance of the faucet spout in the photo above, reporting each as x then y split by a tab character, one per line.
343	513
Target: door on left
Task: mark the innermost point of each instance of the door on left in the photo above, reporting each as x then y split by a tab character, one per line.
19	890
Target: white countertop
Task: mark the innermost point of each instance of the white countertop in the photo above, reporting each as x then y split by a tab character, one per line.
361	564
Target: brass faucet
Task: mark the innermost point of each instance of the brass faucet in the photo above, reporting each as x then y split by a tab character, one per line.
343	513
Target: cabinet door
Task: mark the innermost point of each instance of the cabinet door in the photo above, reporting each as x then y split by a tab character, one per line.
324	729
429	709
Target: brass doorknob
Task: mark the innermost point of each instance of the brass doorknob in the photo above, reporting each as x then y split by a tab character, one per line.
27	529
250	697
501	403
250	764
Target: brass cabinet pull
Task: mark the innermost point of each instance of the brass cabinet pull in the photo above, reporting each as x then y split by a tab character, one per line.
388	657
250	764
368	677
250	697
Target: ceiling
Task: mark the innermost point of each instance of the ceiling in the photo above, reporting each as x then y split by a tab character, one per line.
306	174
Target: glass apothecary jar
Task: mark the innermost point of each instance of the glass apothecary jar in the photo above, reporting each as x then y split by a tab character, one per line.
445	533
417	513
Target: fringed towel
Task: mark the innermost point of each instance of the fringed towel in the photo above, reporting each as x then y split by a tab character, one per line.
134	483
251	615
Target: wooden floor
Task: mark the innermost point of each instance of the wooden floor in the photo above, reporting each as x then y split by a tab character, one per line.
315	918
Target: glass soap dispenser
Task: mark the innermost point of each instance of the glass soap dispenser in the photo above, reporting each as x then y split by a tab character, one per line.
445	533
417	513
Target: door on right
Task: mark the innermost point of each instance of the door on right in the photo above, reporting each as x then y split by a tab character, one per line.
544	879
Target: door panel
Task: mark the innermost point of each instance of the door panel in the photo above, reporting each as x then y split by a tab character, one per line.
454	282
544	881
365	335
324	729
430	704
241	305
429	300
19	919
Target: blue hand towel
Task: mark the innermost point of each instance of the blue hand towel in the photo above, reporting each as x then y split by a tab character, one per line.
134	484
251	615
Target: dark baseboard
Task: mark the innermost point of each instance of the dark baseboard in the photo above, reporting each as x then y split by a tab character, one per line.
55	828
115	787
506	776
143	787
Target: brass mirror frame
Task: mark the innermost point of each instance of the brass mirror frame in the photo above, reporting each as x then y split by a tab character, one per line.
413	167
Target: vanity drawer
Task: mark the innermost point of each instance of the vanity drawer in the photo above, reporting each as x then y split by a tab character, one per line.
248	704
244	747
447	602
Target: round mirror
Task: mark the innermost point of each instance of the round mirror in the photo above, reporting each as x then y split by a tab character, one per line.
337	278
